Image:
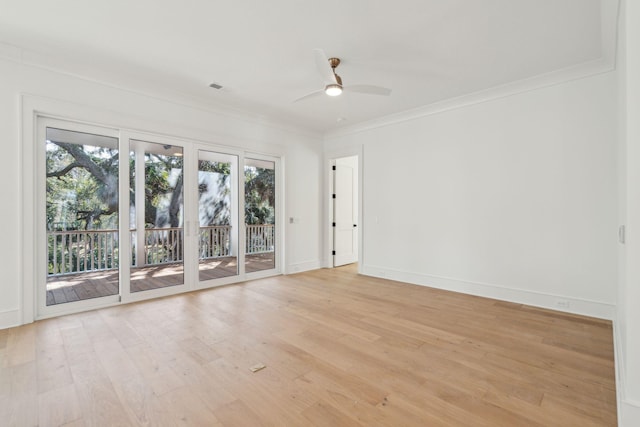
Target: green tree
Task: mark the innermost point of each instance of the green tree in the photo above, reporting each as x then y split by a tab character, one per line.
259	193
158	187
82	186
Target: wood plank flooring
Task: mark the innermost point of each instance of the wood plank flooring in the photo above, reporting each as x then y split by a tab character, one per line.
339	349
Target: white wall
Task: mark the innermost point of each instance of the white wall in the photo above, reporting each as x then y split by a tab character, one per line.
627	324
101	104
513	198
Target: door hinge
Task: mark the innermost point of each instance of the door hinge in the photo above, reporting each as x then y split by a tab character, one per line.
333	224
333	167
334	195
333	252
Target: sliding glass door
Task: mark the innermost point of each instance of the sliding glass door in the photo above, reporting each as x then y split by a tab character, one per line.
156	215
165	217
260	214
80	217
218	230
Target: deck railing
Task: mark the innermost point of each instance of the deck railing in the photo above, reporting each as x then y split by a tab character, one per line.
162	245
259	238
82	250
215	241
94	250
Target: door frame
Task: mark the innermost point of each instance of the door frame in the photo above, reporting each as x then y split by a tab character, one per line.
194	221
330	158
278	163
40	254
35	109
125	239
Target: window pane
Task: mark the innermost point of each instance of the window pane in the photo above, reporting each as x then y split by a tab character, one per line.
156	216
217	212
260	214
81	215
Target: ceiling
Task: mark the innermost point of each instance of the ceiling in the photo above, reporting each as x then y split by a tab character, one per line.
261	52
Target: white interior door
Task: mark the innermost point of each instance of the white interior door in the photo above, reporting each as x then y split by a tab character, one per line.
345	214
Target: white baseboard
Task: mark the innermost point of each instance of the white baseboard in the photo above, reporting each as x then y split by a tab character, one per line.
10	318
618	362
303	266
575	305
629	415
628	410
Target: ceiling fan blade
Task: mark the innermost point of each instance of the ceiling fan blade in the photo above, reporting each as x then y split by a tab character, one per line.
313	94
322	64
368	89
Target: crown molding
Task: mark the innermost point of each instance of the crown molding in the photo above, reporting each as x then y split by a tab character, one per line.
554	78
85	72
610	17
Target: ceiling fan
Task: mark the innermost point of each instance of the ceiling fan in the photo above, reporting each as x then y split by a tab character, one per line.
333	82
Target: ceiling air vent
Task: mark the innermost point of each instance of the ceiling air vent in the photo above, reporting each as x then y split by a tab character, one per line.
215	86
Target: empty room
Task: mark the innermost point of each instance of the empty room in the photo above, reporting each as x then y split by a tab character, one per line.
289	213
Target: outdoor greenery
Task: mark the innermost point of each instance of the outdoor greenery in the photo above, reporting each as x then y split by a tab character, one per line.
163	189
82	195
82	189
259	195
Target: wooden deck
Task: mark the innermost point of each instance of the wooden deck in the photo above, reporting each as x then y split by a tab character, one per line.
339	350
77	287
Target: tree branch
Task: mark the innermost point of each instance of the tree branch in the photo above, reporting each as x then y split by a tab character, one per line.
62	172
83	160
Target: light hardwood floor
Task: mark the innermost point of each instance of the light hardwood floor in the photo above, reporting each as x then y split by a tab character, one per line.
339	349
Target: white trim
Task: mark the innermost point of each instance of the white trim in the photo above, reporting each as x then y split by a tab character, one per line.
628	409
299	267
38	256
99	116
157	292
610	20
77	307
541	81
33	59
123	126
27	219
235	157
538	299
618	363
605	63
629	415
279	253
10	318
330	157
220	281
261	274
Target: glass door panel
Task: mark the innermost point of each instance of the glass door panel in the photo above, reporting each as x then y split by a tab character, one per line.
260	215
81	216
217	215
156	217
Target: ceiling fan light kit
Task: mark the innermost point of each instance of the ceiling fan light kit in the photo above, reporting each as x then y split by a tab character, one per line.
333	83
333	90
